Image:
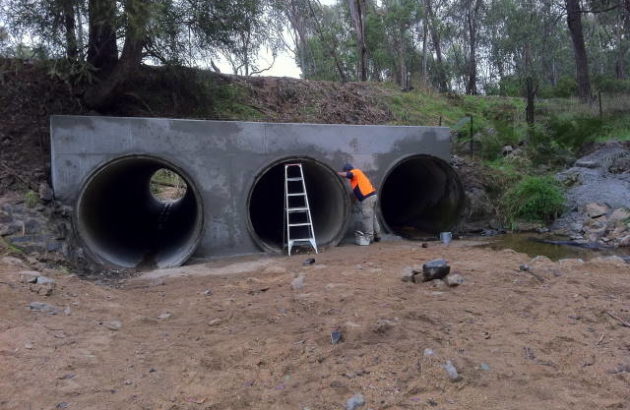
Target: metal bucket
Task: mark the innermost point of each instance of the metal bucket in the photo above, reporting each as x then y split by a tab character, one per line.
361	239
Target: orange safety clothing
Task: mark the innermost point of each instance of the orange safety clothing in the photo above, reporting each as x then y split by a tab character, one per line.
360	184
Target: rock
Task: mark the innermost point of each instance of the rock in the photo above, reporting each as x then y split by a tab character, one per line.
28	276
408	274
624	242
44	289
619	214
438	283
10	229
32	227
165	315
62	405
454	279
113	325
382	326
45	192
355	402
570	263
507	150
336	337
595	210
586	164
524	268
453	375
11	261
41	280
428	352
207	292
298	283
214	322
484	367
44	308
309	261
435	269
613	261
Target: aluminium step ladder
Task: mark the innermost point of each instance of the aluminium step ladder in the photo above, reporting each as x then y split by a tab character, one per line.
299	225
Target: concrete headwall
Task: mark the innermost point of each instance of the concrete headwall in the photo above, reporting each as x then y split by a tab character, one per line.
222	162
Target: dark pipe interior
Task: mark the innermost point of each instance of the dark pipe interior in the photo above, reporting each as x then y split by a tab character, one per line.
421	194
327	199
124	224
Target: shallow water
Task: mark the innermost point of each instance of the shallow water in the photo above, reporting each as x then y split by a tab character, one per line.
522	242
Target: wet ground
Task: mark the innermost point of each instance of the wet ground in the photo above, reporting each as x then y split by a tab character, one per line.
532	245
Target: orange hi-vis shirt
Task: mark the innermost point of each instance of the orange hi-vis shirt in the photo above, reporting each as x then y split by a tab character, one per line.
360	184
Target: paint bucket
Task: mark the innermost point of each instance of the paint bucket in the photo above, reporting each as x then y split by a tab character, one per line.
361	239
446	237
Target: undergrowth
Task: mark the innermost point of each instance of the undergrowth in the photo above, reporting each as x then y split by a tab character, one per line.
534	199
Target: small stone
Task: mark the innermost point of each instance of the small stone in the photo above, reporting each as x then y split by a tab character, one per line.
355	402
453	375
298	283
165	315
127	382
438	283
45	192
62	405
214	322
435	269
408	274
424	245
207	292
485	367
382	326
595	210
428	352
624	242
28	276
42	280
586	164
28	345
44	308
113	325
524	268
309	261
454	279
336	336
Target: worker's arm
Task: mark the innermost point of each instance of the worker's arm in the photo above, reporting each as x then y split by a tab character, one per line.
345	174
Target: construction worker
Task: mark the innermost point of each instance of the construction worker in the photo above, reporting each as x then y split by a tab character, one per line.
366	195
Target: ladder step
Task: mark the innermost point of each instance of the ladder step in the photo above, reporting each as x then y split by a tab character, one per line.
302	240
301	224
297	194
304	209
295	179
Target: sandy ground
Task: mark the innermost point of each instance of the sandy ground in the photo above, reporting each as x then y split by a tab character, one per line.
519	340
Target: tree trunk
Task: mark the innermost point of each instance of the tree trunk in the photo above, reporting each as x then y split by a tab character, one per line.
622	40
357	12
102	93
332	50
530	88
574	19
102	48
473	16
435	39
71	36
425	59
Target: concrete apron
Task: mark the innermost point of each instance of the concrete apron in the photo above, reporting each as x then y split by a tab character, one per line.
234	204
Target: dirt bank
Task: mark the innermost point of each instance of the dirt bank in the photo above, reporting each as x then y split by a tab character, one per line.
234	334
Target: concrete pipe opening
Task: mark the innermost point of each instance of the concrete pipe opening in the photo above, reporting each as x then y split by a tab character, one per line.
327	198
420	195
125	221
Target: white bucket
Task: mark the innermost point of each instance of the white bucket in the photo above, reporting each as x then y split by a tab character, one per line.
361	239
446	237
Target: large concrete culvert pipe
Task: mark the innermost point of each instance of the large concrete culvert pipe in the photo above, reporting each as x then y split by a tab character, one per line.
123	224
421	193
327	197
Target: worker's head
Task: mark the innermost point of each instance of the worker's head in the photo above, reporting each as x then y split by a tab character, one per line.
348	167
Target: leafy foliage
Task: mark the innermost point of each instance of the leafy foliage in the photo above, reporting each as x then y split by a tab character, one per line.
533	199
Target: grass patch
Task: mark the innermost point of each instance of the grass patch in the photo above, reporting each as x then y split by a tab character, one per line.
533	199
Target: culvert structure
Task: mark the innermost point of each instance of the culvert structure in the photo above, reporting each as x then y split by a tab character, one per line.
233	171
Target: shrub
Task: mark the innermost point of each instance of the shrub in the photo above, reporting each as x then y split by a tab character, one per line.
533	199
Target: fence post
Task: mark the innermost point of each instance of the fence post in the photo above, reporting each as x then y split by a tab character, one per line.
472	149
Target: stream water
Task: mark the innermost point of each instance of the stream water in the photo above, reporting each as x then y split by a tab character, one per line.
529	243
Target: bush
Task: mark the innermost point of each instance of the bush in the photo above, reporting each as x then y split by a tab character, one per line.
533	199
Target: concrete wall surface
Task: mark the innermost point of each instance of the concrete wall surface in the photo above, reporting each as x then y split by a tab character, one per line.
223	159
